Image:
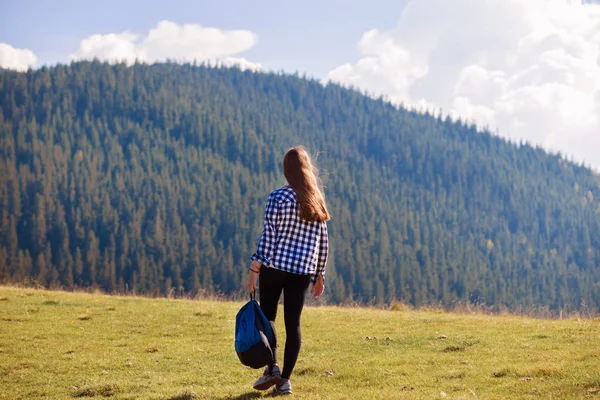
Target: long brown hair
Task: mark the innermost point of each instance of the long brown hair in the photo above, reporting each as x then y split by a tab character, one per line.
304	179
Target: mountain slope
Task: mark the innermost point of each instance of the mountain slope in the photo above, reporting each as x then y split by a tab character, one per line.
154	177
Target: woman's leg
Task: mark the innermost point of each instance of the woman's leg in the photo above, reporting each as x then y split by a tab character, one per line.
270	285
294	292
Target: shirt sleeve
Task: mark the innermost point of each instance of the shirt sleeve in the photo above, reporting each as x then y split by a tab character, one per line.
323	252
268	238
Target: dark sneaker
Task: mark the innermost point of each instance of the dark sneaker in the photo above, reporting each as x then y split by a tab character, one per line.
269	378
285	387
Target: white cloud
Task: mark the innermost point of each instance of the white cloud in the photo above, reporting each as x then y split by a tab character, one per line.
530	68
170	41
111	47
17	59
241	63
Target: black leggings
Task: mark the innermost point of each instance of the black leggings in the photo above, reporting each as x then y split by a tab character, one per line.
294	286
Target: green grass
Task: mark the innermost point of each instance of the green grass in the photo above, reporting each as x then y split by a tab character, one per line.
59	345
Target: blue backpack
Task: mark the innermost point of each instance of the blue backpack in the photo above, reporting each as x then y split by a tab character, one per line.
254	336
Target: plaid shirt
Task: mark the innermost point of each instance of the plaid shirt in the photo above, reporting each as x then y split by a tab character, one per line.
289	243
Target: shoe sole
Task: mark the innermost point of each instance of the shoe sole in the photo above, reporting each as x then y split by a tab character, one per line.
267	384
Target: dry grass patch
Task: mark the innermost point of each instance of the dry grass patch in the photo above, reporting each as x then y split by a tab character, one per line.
202	314
432	310
9	319
504	372
152	349
455	375
190	396
307	371
545	370
24	365
589	357
99	390
541	336
400	306
451	349
501	373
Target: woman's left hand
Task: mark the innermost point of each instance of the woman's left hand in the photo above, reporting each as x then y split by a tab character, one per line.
318	287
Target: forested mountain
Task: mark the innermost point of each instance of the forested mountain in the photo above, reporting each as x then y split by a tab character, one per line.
153	177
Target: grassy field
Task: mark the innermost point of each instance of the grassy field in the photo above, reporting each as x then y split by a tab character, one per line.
58	345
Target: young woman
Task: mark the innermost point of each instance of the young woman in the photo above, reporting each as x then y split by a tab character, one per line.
292	254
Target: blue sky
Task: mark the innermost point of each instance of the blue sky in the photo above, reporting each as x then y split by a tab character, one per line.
529	70
309	36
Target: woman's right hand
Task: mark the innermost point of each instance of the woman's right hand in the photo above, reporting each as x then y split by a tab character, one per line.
252	281
253	277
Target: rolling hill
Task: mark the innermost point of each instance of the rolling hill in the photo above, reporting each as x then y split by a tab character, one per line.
153	179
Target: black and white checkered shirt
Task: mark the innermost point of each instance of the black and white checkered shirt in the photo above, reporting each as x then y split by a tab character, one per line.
289	243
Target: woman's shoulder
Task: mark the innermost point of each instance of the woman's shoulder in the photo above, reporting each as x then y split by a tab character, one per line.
283	194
